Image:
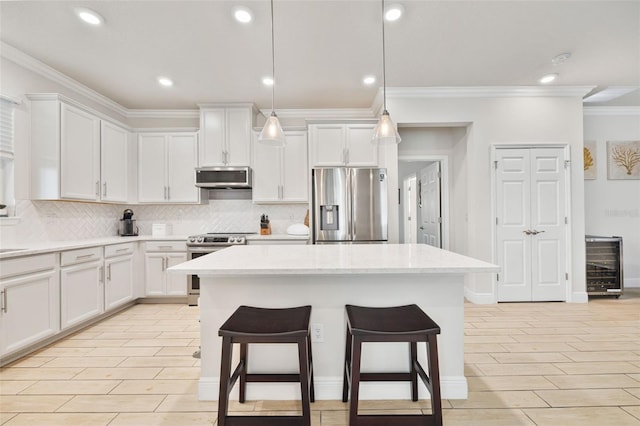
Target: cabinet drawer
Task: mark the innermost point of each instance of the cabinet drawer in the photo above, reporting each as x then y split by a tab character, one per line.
27	264
166	246
118	250
81	255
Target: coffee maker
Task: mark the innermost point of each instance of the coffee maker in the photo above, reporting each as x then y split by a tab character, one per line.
127	227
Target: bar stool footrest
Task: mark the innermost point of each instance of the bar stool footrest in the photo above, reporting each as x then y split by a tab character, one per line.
394	420
385	377
257	377
265	421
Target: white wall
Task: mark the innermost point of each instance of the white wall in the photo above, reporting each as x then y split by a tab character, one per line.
495	120
612	207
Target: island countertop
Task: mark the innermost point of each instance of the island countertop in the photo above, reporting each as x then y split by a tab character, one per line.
334	259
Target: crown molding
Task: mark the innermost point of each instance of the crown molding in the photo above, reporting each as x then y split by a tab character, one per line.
11	53
315	114
487	91
163	113
611	110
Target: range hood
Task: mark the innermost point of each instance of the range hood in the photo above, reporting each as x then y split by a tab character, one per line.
223	177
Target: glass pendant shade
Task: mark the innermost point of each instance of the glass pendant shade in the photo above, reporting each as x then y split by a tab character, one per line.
385	131
272	133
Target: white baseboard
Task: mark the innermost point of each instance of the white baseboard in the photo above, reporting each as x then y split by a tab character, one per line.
330	388
631	282
479	298
579	297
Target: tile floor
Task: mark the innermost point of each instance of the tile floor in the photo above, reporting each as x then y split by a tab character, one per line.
526	364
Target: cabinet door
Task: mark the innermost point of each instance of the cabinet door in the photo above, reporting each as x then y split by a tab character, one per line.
176	283
295	178
152	166
113	162
327	145
80	154
212	150
360	150
30	310
238	136
118	287
154	274
266	172
182	153
81	293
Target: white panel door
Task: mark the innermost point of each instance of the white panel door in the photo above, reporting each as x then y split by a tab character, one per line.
266	174
152	168
113	162
81	293
327	145
548	239
118	288
238	135
213	144
295	183
531	233
176	284
430	216
359	149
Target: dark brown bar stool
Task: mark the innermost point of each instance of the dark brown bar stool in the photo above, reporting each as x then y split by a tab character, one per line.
395	324
261	325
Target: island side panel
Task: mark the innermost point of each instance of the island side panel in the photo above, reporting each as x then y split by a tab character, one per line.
440	295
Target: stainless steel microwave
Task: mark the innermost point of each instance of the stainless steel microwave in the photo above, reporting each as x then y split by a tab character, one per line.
223	177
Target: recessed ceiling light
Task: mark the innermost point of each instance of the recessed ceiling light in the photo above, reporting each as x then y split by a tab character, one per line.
548	78
242	14
267	81
89	16
369	80
393	12
164	81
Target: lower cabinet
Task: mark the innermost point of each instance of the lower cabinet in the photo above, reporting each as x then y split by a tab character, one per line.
81	286
119	270
30	304
158	257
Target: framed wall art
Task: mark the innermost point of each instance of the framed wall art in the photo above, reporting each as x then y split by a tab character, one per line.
623	159
590	160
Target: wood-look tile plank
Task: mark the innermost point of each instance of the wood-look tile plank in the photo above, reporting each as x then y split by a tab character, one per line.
111	403
118	373
61	419
587	397
583	416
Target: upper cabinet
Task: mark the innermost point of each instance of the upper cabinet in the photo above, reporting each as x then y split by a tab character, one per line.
166	167
342	144
281	174
75	154
225	133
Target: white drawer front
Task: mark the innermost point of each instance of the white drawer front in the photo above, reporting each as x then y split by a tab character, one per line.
81	255
118	249
166	246
27	264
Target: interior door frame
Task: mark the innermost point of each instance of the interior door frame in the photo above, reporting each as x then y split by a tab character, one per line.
569	213
444	189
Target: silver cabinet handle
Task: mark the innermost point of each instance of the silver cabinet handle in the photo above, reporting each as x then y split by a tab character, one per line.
108	272
168	192
97	188
104	189
101	274
4	300
164	264
122	249
85	256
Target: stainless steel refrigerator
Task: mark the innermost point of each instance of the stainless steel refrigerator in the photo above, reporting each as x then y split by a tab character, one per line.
349	205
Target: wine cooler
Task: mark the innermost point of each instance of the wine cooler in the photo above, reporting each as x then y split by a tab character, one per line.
604	266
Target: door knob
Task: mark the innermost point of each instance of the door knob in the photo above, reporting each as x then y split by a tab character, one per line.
534	232
528	232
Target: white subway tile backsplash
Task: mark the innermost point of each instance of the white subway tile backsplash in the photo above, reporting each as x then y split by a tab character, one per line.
65	220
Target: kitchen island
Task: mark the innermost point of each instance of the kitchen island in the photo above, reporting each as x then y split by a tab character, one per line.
327	277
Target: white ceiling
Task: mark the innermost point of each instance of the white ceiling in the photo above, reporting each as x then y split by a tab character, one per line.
324	48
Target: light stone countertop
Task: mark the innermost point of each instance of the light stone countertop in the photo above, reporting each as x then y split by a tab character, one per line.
276	237
330	259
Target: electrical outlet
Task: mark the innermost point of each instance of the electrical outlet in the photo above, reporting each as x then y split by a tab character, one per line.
317	332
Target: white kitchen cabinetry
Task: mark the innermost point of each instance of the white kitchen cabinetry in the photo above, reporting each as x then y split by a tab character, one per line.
281	174
158	257
226	135
75	155
81	285
342	144
119	269
30	304
166	167
114	141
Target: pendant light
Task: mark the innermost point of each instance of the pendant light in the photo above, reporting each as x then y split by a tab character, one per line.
272	133
385	131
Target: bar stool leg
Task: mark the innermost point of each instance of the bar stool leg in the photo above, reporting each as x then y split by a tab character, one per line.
312	395
355	380
303	359
434	374
347	367
243	372
225	373
413	354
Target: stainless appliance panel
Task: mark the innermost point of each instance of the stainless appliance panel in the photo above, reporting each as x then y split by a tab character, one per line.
331	194
223	177
369	205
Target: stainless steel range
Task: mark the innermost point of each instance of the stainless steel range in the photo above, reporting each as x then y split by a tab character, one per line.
203	244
